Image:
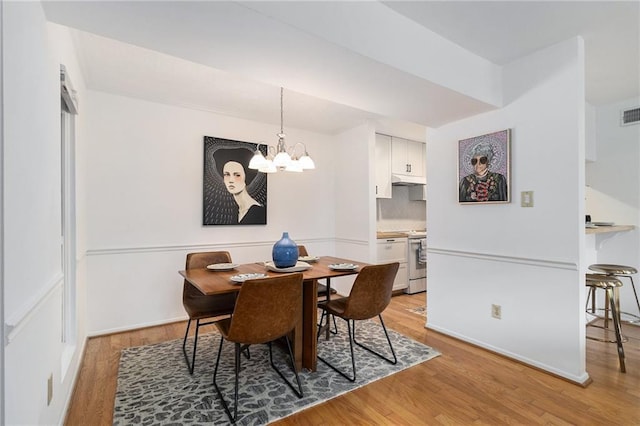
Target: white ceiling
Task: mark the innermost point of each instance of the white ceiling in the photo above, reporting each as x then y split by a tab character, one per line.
341	63
503	31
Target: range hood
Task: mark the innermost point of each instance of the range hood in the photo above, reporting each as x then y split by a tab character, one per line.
407	180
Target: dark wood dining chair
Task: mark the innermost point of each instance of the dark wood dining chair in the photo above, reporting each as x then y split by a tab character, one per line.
266	309
203	309
369	296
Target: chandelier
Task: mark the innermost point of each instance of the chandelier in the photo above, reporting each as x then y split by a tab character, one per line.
281	158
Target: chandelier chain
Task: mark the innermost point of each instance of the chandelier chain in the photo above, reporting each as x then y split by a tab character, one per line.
281	111
279	157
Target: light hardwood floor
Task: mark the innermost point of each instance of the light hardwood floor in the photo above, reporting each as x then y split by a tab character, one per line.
465	385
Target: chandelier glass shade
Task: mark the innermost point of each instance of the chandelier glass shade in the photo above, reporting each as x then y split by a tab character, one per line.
281	157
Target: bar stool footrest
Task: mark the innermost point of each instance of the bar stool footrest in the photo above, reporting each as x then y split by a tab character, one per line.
635	318
624	339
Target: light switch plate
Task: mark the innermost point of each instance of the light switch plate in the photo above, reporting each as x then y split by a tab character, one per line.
526	199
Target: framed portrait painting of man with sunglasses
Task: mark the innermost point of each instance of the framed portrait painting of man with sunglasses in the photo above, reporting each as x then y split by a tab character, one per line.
484	168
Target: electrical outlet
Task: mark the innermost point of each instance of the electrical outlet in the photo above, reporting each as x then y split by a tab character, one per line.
496	311
49	389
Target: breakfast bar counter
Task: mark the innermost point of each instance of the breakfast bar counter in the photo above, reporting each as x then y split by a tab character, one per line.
609	229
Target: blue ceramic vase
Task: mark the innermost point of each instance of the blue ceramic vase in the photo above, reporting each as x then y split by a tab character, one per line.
285	252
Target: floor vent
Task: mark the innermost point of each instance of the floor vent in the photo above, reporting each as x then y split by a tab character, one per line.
630	116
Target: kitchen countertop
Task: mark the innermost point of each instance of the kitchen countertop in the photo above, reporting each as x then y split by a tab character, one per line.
381	235
598	230
608	229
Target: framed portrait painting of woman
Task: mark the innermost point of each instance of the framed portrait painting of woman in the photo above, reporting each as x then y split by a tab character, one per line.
233	194
484	168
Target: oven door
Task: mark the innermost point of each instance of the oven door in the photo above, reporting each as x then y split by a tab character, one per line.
416	268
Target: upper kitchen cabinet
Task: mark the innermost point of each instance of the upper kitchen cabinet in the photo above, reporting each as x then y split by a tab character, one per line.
407	157
383	166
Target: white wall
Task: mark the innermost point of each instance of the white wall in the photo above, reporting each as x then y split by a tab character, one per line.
590	133
32	281
144	197
32	159
2	332
354	194
613	191
525	259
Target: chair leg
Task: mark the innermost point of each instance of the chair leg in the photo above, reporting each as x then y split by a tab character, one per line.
617	327
245	350
191	365
395	359
320	325
238	350
321	328
328	297
233	417
606	312
633	286
298	391
237	371
353	359
184	345
589	297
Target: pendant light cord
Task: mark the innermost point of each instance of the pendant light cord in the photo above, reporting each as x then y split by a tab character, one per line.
281	111
277	157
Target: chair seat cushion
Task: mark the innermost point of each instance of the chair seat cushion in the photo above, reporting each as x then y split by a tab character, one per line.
199	306
602	281
335	306
611	269
322	290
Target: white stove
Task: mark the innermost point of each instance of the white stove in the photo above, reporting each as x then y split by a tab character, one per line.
417	262
416	234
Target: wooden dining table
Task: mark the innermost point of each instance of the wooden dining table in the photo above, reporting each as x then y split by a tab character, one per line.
211	282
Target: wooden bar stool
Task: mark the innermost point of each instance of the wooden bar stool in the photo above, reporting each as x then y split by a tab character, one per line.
610	285
619	271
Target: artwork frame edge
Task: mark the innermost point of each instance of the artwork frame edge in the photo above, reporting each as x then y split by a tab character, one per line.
504	154
214	186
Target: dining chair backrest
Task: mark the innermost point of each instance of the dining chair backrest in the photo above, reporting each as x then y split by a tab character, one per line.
371	291
266	309
322	288
202	259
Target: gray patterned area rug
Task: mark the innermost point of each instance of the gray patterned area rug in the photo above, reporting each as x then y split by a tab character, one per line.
155	387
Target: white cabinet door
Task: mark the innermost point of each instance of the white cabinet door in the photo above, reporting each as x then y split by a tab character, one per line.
399	163
383	166
392	250
407	157
395	250
415	158
402	278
